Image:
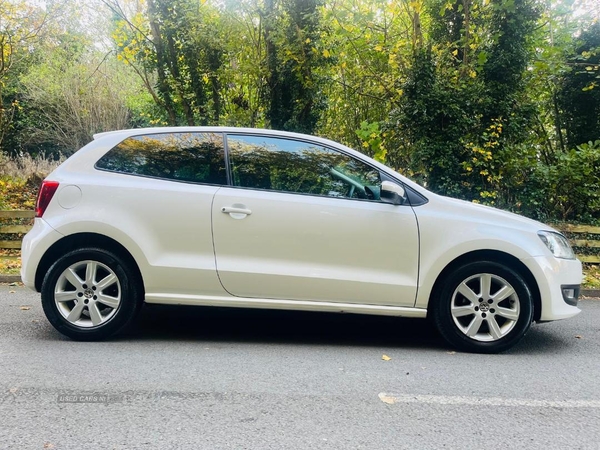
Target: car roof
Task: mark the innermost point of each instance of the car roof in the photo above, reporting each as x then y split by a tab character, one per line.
211	129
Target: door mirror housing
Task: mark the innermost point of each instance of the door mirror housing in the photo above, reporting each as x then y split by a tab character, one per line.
392	193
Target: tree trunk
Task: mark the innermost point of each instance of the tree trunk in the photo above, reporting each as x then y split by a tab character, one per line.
163	85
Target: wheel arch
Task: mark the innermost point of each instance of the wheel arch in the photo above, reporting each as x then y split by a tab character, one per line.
492	256
80	240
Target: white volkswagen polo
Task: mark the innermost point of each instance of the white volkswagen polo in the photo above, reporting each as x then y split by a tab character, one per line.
267	219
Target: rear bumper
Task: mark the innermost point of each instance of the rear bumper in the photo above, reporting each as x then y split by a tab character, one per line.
34	247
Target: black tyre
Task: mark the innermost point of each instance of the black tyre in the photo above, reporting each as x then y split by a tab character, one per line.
91	294
483	307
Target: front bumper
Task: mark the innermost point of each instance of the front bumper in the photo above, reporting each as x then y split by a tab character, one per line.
570	293
554	276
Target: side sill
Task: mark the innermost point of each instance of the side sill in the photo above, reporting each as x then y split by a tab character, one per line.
292	305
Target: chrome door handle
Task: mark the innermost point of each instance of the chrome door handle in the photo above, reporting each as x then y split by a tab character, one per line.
235	210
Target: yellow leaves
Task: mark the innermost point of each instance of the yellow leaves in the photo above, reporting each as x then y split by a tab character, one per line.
393	61
18	28
455	52
378	48
307	41
14	192
10	266
386	358
488	195
326	53
416	6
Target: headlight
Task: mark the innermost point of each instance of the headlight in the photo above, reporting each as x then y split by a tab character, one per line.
557	244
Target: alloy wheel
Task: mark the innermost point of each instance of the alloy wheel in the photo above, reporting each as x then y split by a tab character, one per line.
88	294
485	307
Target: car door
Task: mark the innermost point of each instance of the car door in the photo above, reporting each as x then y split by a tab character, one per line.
156	192
303	222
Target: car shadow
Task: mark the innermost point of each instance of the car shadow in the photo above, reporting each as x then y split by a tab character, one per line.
163	322
234	325
542	339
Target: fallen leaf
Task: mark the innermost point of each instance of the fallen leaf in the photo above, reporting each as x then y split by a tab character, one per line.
35	320
48	445
25	308
451	353
11	292
387	398
386	358
578	336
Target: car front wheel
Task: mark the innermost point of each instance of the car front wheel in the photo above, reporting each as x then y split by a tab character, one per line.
483	307
90	294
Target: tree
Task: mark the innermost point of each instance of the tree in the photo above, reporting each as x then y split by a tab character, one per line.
21	26
75	95
463	113
579	96
180	41
367	46
291	33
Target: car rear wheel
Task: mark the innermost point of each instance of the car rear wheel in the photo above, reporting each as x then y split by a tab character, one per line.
90	294
483	307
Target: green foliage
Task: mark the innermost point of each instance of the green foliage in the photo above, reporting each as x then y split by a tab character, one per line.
291	32
73	94
591	277
579	96
494	102
372	140
462	119
569	188
180	41
20	177
366	45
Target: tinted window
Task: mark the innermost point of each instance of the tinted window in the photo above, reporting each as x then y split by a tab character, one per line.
195	157
296	166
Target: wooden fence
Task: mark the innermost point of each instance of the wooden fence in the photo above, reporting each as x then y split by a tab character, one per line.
14	224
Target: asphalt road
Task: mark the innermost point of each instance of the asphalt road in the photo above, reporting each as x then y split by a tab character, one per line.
218	379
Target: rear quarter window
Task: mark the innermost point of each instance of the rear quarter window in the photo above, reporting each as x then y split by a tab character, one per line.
188	157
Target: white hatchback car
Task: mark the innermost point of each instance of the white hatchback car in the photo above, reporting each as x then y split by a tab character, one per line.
267	219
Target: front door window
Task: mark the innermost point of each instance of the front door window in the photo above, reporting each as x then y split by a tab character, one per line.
286	165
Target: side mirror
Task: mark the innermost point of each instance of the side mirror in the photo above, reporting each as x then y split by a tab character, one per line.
392	193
